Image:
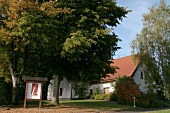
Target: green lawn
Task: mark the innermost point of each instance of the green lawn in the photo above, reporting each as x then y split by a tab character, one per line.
160	111
93	104
98	104
89	104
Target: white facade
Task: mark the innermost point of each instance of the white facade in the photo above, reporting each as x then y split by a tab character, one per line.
139	79
103	87
65	91
109	86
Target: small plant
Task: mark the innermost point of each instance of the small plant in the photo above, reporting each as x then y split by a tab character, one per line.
96	92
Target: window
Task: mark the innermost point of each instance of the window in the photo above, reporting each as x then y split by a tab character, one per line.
141	75
106	90
61	91
91	92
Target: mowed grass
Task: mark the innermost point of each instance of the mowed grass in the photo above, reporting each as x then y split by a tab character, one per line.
98	104
87	104
159	111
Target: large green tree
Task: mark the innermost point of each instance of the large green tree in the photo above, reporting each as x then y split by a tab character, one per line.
88	36
152	48
13	46
65	38
24	30
81	41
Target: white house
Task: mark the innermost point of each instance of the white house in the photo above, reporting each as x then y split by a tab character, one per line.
65	91
126	67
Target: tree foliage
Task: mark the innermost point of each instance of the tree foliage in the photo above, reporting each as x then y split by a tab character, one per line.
88	37
23	35
152	48
66	38
80	89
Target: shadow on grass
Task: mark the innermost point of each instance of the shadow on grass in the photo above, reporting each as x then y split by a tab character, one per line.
109	106
79	104
30	104
97	104
83	104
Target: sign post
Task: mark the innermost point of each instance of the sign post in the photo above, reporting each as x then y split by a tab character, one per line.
134	102
33	89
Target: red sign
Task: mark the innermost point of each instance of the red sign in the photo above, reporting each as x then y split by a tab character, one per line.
34	90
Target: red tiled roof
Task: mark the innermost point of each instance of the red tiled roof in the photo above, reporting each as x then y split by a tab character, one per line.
125	65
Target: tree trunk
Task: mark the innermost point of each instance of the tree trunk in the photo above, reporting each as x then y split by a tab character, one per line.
55	97
15	99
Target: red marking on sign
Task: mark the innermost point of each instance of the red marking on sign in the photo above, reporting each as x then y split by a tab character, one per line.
34	90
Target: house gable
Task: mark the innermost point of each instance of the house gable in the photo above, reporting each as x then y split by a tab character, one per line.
125	67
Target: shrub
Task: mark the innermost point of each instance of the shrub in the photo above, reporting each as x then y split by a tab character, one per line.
5	92
112	96
109	96
151	100
101	97
80	89
96	92
92	96
126	89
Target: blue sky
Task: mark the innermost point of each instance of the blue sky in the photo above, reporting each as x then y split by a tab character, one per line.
133	24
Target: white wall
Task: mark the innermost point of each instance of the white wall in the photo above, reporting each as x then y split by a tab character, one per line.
136	77
101	87
49	93
66	90
66	86
139	81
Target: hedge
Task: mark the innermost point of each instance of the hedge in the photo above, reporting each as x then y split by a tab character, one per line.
5	92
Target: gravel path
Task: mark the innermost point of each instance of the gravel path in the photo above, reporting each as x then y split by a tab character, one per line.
48	110
64	109
59	110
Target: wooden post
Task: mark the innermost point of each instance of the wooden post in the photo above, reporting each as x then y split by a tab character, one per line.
25	99
41	96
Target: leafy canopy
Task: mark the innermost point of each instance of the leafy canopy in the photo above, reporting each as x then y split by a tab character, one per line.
152	48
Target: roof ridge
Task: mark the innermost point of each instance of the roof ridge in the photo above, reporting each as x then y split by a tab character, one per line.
123	57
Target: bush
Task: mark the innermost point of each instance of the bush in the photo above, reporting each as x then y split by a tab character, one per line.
126	89
101	97
112	96
5	92
96	92
109	96
92	96
151	100
80	89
